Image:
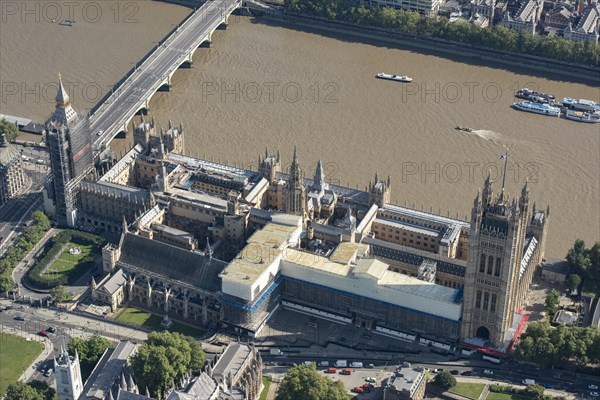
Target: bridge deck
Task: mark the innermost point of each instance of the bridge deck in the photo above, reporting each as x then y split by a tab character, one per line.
132	94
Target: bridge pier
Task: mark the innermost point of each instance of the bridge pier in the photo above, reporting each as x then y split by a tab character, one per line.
223	26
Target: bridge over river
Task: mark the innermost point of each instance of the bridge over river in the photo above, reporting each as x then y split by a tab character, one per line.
134	93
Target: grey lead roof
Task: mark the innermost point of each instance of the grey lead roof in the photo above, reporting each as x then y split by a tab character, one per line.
172	262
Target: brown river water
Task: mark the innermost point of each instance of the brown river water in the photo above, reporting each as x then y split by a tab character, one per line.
267	86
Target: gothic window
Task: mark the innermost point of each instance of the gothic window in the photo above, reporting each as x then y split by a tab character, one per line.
490	265
498	263
478	299
486	299
482	263
493	305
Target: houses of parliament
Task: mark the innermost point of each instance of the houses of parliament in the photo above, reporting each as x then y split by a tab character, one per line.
217	245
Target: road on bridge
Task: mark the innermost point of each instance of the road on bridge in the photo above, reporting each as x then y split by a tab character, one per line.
126	100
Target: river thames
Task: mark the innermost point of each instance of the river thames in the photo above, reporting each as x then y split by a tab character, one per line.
262	85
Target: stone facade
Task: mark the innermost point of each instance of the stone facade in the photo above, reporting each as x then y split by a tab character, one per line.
12	177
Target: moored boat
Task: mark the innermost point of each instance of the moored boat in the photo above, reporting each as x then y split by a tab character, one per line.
397	78
525	93
537	108
582	116
581	105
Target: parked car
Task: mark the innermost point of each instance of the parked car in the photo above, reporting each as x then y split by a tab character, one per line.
43	333
488	372
51	329
548	385
20	318
594	394
593	387
370	379
358	389
371	366
467	373
331	370
48	372
346	371
455	372
438	370
367	387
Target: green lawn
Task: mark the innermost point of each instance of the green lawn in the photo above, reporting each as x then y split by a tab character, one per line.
471	390
266	382
138	317
66	262
504	396
16	355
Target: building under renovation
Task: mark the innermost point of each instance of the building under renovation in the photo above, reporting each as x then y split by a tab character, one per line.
12	177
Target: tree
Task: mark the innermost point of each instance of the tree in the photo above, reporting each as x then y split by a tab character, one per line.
573	281
89	352
535	391
164	359
96	346
303	382
9	130
42	387
6	283
59	294
40	220
22	391
577	258
552	302
444	380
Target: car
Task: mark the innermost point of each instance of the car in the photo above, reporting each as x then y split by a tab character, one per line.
346	371
367	387
594	394
99	133
43	333
548	385
370	379
593	387
20	318
488	372
455	372
48	372
331	370
358	389
40	161
438	370
371	366
51	329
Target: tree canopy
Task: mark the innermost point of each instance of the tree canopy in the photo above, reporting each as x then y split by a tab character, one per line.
10	130
444	380
22	391
165	358
410	22
585	263
89	351
303	382
547	346
59	294
552	303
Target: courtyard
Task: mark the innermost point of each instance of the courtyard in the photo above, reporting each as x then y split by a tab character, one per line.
72	256
135	316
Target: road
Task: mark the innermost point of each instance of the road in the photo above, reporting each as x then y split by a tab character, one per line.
147	78
19	209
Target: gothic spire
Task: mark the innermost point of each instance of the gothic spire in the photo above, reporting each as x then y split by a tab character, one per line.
208	252
62	97
319	180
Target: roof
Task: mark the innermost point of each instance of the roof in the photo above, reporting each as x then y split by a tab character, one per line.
113	189
406	379
202	387
123	163
107	370
15	120
424	216
408	227
262	248
114	283
172	262
231	360
123	395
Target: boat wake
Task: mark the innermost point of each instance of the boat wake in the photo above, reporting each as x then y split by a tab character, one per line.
485	134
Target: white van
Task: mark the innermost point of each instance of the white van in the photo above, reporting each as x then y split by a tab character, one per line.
324	364
356	364
341	363
528	382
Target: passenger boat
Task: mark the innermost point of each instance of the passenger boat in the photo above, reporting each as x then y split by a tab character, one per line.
537	108
397	78
581	105
463	128
582	116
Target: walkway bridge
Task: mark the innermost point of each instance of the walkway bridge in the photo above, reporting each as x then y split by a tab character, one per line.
134	93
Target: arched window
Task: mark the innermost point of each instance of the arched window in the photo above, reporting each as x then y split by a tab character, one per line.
493	305
482	263
490	265
498	263
486	299
478	299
